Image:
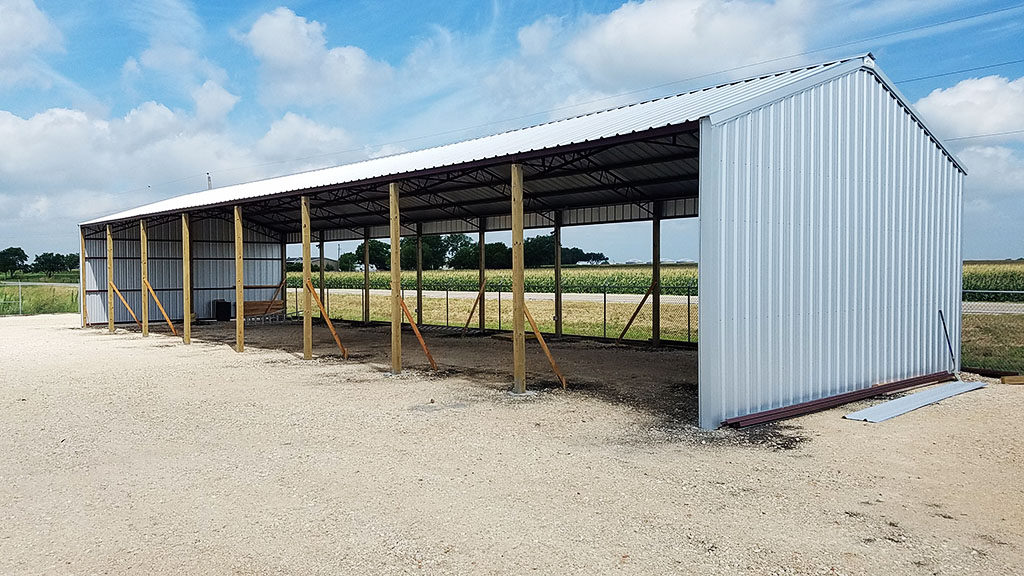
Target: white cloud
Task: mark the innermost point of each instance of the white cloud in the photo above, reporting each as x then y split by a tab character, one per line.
295	136
974	106
51	161
649	42
213	103
994	188
994	171
993	200
537	38
174	36
26	33
25	29
299	68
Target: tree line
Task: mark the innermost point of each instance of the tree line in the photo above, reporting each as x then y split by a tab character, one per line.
460	252
13	259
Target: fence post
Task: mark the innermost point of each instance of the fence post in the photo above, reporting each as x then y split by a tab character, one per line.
446	306
604	292
499	306
20	307
689	290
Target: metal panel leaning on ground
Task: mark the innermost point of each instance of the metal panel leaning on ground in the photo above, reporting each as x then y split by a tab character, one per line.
830	240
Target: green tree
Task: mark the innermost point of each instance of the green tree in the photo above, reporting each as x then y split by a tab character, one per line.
347	262
452	244
499	255
539	251
380	254
435	253
594	257
48	263
71	261
12	259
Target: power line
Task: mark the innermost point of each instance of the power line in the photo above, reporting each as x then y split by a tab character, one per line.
990	134
952	72
647	89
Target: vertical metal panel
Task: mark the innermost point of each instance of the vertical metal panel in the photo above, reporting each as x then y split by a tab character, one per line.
95	278
829	241
213	267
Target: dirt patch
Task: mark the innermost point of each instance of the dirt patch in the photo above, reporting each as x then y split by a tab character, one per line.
122	454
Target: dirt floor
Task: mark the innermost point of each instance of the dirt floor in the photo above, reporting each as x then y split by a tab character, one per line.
120	454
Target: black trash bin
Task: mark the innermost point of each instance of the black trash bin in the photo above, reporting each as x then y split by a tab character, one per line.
221	310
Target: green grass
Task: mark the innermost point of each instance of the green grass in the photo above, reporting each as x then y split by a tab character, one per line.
994	341
38	299
71	277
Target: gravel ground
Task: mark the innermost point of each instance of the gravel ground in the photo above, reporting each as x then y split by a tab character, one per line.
120	454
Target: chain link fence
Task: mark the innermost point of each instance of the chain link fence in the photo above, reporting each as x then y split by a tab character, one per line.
992	323
993	330
17	298
603	311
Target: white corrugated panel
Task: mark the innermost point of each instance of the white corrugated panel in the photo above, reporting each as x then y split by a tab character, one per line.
213	269
830	240
667	111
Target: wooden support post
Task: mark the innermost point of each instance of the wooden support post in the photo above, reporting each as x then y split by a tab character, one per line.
635	313
396	283
327	320
186	278
416	331
366	275
476	302
544	346
156	299
81	279
518	285
125	302
239	283
144	266
656	275
323	284
558	272
281	289
419	273
483	275
307	291
110	280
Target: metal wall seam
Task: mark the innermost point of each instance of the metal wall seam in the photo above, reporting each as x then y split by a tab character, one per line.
829	240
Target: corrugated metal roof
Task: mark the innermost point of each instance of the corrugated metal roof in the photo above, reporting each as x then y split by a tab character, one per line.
624	120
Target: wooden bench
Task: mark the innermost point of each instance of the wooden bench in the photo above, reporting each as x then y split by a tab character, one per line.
263	310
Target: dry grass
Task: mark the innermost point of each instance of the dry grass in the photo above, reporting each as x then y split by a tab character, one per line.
993	341
579	318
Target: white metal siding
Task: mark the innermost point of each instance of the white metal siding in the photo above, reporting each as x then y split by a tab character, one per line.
213	268
830	240
213	263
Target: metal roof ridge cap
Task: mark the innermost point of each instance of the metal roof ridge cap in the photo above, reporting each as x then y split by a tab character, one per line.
840	68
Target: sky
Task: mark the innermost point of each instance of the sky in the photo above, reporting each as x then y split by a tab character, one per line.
107	105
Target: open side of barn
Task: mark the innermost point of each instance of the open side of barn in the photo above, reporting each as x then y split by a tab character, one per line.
829	228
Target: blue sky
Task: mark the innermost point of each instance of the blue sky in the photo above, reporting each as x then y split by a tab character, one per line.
106	105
